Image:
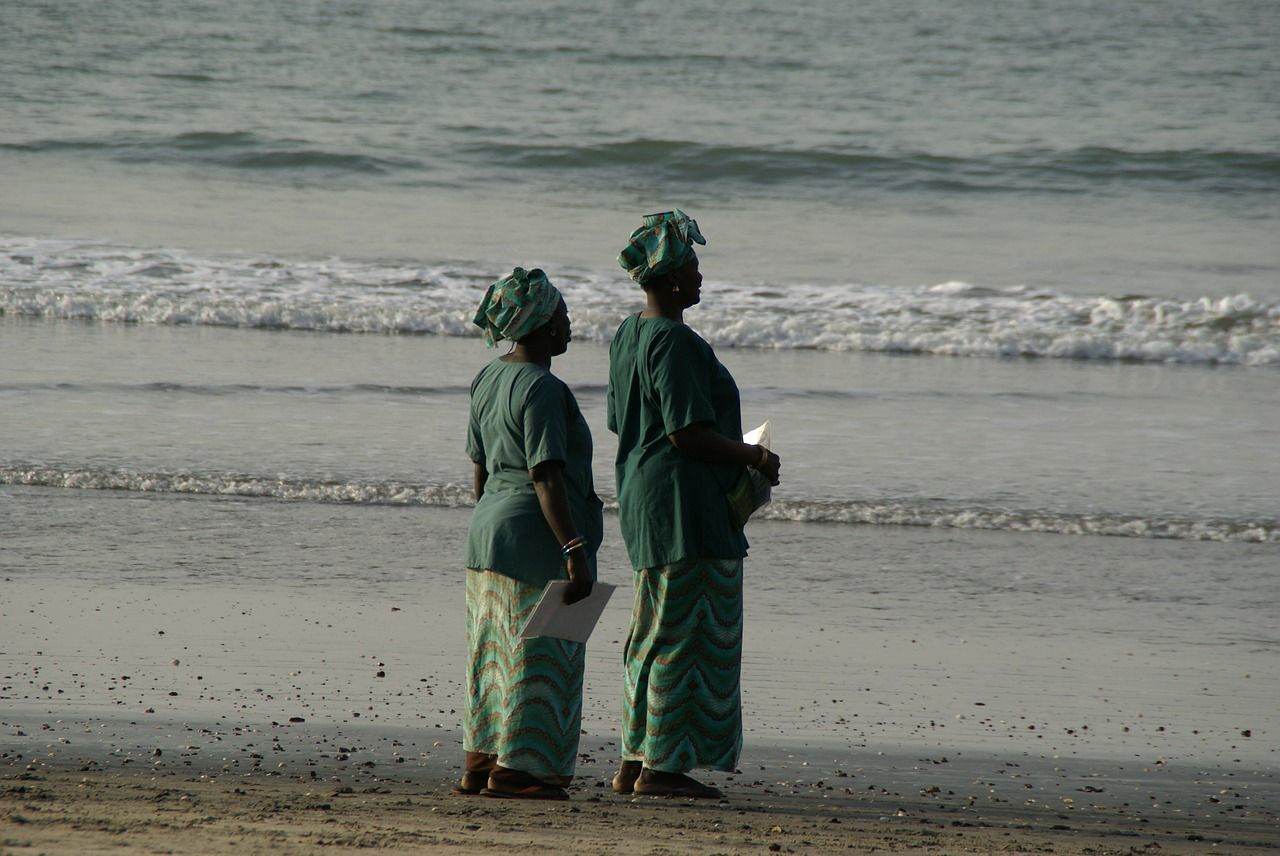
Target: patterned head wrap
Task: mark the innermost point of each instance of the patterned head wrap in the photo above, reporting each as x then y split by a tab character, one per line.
516	305
663	243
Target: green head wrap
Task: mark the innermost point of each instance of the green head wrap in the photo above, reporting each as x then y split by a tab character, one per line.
663	243
516	305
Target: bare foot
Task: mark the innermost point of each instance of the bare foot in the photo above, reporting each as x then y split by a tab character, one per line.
625	779
477	766
472	783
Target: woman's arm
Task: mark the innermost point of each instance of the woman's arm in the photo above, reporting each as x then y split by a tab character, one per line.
704	443
548	484
480	475
680	373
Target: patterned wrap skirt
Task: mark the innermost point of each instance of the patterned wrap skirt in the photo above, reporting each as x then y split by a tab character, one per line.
524	696
682	705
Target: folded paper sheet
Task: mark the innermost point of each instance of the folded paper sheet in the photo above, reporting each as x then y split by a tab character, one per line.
574	622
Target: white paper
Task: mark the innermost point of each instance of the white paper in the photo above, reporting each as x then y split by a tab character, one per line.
761	436
573	622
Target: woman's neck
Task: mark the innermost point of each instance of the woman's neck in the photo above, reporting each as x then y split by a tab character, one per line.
524	354
655	308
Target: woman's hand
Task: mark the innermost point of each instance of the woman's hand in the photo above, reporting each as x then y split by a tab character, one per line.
770	467
579	578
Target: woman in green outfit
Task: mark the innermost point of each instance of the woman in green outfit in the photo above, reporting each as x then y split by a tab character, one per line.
537	518
677	415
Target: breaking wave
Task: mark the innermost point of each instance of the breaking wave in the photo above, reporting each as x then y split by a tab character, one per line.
97	282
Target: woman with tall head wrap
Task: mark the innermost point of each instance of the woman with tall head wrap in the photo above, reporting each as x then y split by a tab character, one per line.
677	415
537	518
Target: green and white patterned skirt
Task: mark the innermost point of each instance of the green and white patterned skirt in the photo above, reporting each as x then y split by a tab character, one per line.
682	705
524	696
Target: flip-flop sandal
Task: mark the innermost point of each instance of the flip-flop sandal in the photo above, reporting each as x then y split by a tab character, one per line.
532	792
705	792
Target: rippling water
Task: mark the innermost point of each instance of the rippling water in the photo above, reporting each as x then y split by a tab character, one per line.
1066	447
824	98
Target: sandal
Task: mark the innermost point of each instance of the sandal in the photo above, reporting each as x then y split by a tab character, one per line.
529	792
683	787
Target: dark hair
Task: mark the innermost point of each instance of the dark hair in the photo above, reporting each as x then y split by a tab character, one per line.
664	281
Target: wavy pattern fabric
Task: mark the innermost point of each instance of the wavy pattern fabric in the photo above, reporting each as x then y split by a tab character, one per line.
682	706
524	696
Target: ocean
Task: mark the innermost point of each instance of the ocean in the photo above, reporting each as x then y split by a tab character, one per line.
1005	279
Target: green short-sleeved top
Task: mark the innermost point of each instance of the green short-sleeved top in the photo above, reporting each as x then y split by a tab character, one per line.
521	416
664	377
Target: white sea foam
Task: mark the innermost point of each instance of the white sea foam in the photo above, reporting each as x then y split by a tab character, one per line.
1014	520
70	280
446	495
453	495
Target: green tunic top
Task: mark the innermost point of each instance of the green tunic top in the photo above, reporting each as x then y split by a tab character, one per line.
664	377
521	416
